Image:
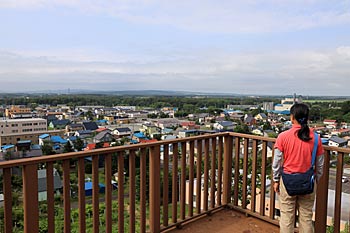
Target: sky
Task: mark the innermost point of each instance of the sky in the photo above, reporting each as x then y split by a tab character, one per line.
269	47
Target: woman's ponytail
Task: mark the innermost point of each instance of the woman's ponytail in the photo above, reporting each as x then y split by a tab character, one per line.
301	114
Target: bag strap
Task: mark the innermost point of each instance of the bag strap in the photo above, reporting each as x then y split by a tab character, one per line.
314	149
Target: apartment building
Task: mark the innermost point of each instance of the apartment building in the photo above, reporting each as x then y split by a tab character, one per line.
14	130
18	111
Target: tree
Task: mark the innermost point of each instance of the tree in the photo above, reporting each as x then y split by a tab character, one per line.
78	144
68	147
47	148
243	128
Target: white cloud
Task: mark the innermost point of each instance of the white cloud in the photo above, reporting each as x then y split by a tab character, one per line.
307	72
225	16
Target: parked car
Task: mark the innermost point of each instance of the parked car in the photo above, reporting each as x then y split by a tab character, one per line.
344	179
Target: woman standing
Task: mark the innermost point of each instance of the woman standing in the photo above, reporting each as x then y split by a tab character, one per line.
293	151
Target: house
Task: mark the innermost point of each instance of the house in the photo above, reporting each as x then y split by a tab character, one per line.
59	124
102	122
337	141
74	127
341	132
6	148
168	137
43	138
249	120
58	140
189	125
188	133
42	187
23	145
122	131
224	125
331	124
258	132
150	130
261	117
88	125
93	146
104	136
168	123
139	136
148	140
83	133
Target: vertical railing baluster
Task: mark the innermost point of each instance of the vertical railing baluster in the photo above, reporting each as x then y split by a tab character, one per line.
120	192
108	192
322	197
338	192
227	181
7	199
95	194
206	174
143	189
213	173
199	177
30	198
165	185
191	177
66	196
272	192
155	189
81	195
254	174
175	183
50	198
132	191
219	191
245	173
183	182
263	178
236	177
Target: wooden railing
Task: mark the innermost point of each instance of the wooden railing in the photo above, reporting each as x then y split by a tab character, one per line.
160	185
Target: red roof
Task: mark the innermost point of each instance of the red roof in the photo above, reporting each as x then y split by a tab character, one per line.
100	129
188	123
92	146
330	121
148	140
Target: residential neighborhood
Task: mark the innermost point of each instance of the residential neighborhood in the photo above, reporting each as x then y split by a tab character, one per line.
25	131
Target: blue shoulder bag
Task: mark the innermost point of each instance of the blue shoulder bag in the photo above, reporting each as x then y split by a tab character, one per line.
301	183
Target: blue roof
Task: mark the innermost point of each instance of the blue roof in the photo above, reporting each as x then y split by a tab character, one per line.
139	135
72	138
6	147
43	136
102	121
324	140
190	131
58	139
284	112
88	185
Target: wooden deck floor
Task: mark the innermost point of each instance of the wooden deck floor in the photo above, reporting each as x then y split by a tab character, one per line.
226	221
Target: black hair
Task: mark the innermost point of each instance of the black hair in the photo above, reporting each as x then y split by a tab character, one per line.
301	115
